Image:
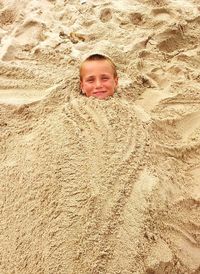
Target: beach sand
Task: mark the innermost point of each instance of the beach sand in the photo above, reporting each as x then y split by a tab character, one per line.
100	186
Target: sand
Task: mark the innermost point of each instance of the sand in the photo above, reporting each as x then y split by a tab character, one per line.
100	186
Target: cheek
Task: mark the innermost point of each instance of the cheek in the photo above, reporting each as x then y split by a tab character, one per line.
86	88
111	85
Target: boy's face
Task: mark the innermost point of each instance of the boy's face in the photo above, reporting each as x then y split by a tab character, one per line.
98	79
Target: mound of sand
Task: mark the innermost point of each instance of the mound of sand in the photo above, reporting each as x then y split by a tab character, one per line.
91	186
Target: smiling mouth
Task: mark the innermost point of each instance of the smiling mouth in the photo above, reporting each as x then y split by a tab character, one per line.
99	92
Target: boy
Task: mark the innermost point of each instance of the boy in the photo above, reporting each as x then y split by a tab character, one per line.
98	76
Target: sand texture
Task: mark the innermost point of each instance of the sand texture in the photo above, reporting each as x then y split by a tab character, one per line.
92	186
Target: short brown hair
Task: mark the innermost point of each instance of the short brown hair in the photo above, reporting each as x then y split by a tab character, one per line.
99	57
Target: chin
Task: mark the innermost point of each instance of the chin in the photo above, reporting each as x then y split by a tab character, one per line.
104	95
101	96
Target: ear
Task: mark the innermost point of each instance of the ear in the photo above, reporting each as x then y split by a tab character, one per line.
116	81
81	87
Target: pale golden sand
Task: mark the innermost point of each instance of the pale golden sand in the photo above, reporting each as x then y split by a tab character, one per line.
90	186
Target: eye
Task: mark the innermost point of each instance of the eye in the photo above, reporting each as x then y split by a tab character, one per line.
90	80
105	78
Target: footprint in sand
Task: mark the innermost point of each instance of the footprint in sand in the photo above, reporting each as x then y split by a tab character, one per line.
189	126
174	39
105	15
162	14
136	18
31	32
7	17
26	37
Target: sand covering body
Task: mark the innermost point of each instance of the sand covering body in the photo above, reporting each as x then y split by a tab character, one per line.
91	186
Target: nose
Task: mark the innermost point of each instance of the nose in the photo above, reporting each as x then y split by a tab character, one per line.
98	83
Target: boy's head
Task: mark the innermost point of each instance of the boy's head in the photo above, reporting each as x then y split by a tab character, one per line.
98	76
